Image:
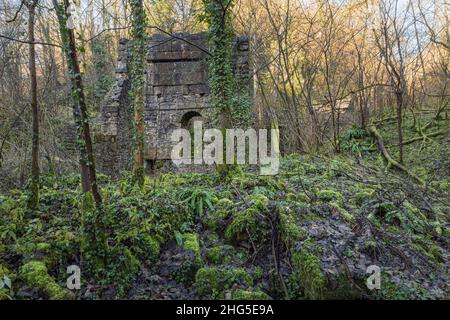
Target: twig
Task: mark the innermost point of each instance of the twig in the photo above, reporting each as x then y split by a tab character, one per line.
28	42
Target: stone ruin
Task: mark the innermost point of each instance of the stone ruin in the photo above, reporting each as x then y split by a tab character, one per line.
176	93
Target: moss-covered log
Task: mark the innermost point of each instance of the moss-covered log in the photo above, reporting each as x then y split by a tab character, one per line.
431	135
391	162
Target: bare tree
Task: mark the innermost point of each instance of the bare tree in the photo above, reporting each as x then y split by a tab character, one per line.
389	39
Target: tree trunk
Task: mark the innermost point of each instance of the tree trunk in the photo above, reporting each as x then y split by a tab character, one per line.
399	96
137	75
88	173
65	38
34	198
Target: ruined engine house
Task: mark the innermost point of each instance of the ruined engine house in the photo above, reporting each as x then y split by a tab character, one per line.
176	93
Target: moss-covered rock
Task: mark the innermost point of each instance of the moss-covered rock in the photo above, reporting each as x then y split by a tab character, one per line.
148	248
207	281
247	221
330	195
298	197
224	207
241	294
363	195
220	254
191	258
290	232
192	244
307	275
213	281
35	274
342	212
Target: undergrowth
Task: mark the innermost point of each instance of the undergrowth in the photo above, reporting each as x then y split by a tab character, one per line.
252	237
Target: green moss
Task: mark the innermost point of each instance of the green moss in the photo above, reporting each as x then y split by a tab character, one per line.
42	246
212	237
220	254
363	196
214	254
290	232
436	252
224	203
192	260
372	218
258	273
223	208
330	195
298	197
247	220
431	251
241	294
149	248
421	172
342	212
307	273
48	254
35	274
207	281
214	281
385	208
191	243
3	271
440	185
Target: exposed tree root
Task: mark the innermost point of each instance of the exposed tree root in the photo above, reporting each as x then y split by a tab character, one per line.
391	162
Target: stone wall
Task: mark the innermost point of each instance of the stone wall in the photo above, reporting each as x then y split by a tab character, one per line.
113	127
176	93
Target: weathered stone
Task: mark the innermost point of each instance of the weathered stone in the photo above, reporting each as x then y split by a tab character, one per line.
176	92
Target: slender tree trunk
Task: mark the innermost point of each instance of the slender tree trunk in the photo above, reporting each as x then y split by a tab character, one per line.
88	172
362	98
137	75
34	199
334	123
399	96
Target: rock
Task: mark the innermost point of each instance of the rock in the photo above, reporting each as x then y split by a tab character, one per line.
26	292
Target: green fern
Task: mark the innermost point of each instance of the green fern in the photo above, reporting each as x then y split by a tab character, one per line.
198	200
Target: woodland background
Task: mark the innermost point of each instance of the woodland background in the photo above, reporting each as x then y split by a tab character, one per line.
358	89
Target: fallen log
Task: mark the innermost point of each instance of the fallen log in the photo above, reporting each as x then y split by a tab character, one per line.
380	121
431	135
391	162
